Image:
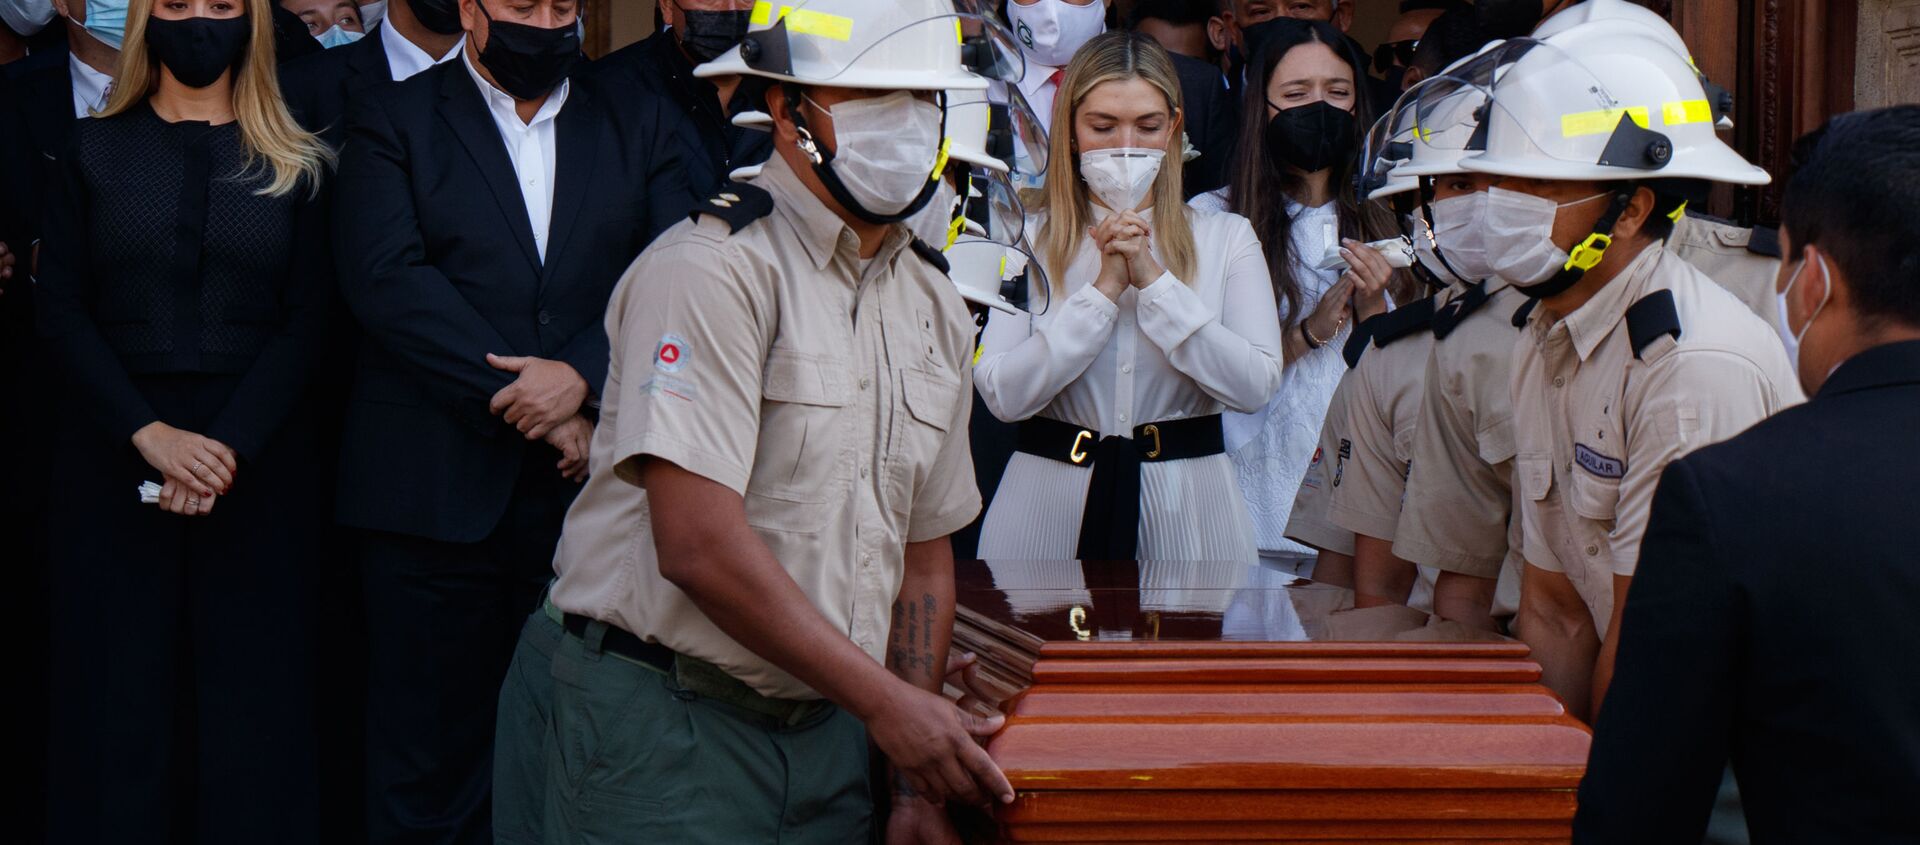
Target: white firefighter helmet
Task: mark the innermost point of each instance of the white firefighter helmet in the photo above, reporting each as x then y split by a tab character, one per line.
892	45
978	266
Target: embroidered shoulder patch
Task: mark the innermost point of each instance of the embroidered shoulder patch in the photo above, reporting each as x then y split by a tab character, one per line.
671	355
1598	464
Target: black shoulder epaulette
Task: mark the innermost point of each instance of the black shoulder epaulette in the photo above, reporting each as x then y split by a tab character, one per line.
1765	240
1654	315
1451	315
932	254
1358	340
1525	310
738	203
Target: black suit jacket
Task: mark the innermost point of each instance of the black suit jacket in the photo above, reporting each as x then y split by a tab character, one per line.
710	145
317	88
437	262
1212	123
1774	621
36	107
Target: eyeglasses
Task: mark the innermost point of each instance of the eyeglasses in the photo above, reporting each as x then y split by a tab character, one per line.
1393	53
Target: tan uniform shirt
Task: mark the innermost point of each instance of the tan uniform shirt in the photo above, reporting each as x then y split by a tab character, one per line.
1597	424
1307	523
832	393
1459	489
1382	410
1720	251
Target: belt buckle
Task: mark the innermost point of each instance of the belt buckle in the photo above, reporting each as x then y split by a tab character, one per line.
1155	431
1076	454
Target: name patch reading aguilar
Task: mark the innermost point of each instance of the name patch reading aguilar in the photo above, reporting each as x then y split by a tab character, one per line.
1598	464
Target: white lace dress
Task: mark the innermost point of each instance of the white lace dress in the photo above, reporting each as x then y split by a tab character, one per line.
1270	448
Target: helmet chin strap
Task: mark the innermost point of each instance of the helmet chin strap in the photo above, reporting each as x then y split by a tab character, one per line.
822	159
1426	213
1587	255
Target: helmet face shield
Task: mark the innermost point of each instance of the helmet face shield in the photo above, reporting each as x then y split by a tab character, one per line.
1029	132
897	45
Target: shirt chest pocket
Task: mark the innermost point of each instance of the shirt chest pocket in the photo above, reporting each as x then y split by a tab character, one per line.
803	429
1534	477
930	400
1593	497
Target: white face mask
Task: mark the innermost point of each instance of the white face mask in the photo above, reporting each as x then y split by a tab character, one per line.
372	13
337	37
1459	225
885	148
1122	176
1787	335
1051	31
26	17
1519	235
934	223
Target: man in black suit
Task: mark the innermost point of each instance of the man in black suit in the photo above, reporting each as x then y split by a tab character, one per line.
1772	621
413	36
486	208
698	30
1212	116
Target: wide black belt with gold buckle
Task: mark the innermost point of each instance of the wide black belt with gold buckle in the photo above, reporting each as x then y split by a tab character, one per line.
1110	521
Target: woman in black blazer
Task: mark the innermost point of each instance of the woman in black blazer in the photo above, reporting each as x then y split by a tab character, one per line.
182	292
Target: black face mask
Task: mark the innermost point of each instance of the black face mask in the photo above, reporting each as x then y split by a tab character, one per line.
439	16
705	35
528	61
198	50
1312	137
1507	18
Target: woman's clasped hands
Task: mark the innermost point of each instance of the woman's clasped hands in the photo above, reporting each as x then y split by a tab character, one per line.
1125	243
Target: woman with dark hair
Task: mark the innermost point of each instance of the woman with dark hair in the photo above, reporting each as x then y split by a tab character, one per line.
1303	118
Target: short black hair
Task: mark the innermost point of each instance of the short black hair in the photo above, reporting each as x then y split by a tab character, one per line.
1176	12
1853	194
1453	36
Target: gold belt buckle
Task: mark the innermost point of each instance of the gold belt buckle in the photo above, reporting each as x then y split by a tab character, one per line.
1155	431
1075	454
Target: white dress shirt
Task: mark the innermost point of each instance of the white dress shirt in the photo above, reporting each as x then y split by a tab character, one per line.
531	146
89	87
405	58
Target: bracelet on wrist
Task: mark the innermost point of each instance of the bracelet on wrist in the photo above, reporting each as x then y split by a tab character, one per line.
1306	334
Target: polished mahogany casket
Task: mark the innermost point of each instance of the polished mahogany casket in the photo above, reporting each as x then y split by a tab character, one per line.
1218	702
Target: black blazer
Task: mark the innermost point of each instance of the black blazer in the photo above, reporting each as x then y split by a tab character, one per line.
1773	623
36	109
710	145
317	88
1212	123
438	264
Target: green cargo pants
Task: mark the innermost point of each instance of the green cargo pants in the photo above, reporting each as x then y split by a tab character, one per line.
635	757
521	727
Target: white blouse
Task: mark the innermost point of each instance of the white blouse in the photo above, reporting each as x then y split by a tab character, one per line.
1174	350
1272	445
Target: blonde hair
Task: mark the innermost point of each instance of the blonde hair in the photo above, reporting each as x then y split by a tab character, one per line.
1112	57
272	139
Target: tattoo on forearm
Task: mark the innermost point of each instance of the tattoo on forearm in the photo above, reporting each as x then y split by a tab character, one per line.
910	646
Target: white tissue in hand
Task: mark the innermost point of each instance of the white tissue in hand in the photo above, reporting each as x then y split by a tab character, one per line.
149	493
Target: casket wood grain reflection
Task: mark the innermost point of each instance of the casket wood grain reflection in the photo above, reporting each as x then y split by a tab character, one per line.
1116	737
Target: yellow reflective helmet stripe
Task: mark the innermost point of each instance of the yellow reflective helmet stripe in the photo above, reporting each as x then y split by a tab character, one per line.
803	21
1602	121
1686	111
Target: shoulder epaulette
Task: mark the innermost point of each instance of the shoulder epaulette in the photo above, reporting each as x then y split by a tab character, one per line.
738	203
1451	315
1654	315
1357	341
1765	241
1525	310
932	255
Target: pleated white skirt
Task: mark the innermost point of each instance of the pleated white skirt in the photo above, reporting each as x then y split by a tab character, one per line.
1189	510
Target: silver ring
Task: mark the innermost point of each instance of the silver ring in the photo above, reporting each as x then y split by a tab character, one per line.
197	466
193	503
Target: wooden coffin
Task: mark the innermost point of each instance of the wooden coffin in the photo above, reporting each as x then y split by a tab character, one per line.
1232	702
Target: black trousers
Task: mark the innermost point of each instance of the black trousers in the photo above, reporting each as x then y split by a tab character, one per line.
182	672
442	621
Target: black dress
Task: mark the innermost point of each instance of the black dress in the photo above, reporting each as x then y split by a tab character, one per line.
171	290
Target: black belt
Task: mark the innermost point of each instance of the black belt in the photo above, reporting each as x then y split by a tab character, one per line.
623	643
697	676
1110	522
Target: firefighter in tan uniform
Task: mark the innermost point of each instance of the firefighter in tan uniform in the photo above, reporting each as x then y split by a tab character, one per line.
1633	357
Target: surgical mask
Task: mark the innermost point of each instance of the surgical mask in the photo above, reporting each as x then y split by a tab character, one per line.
1459	229
1121	176
199	50
528	61
1312	137
1051	31
439	16
1787	335
337	37
26	17
1519	236
885	148
371	14
705	35
107	21
935	223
